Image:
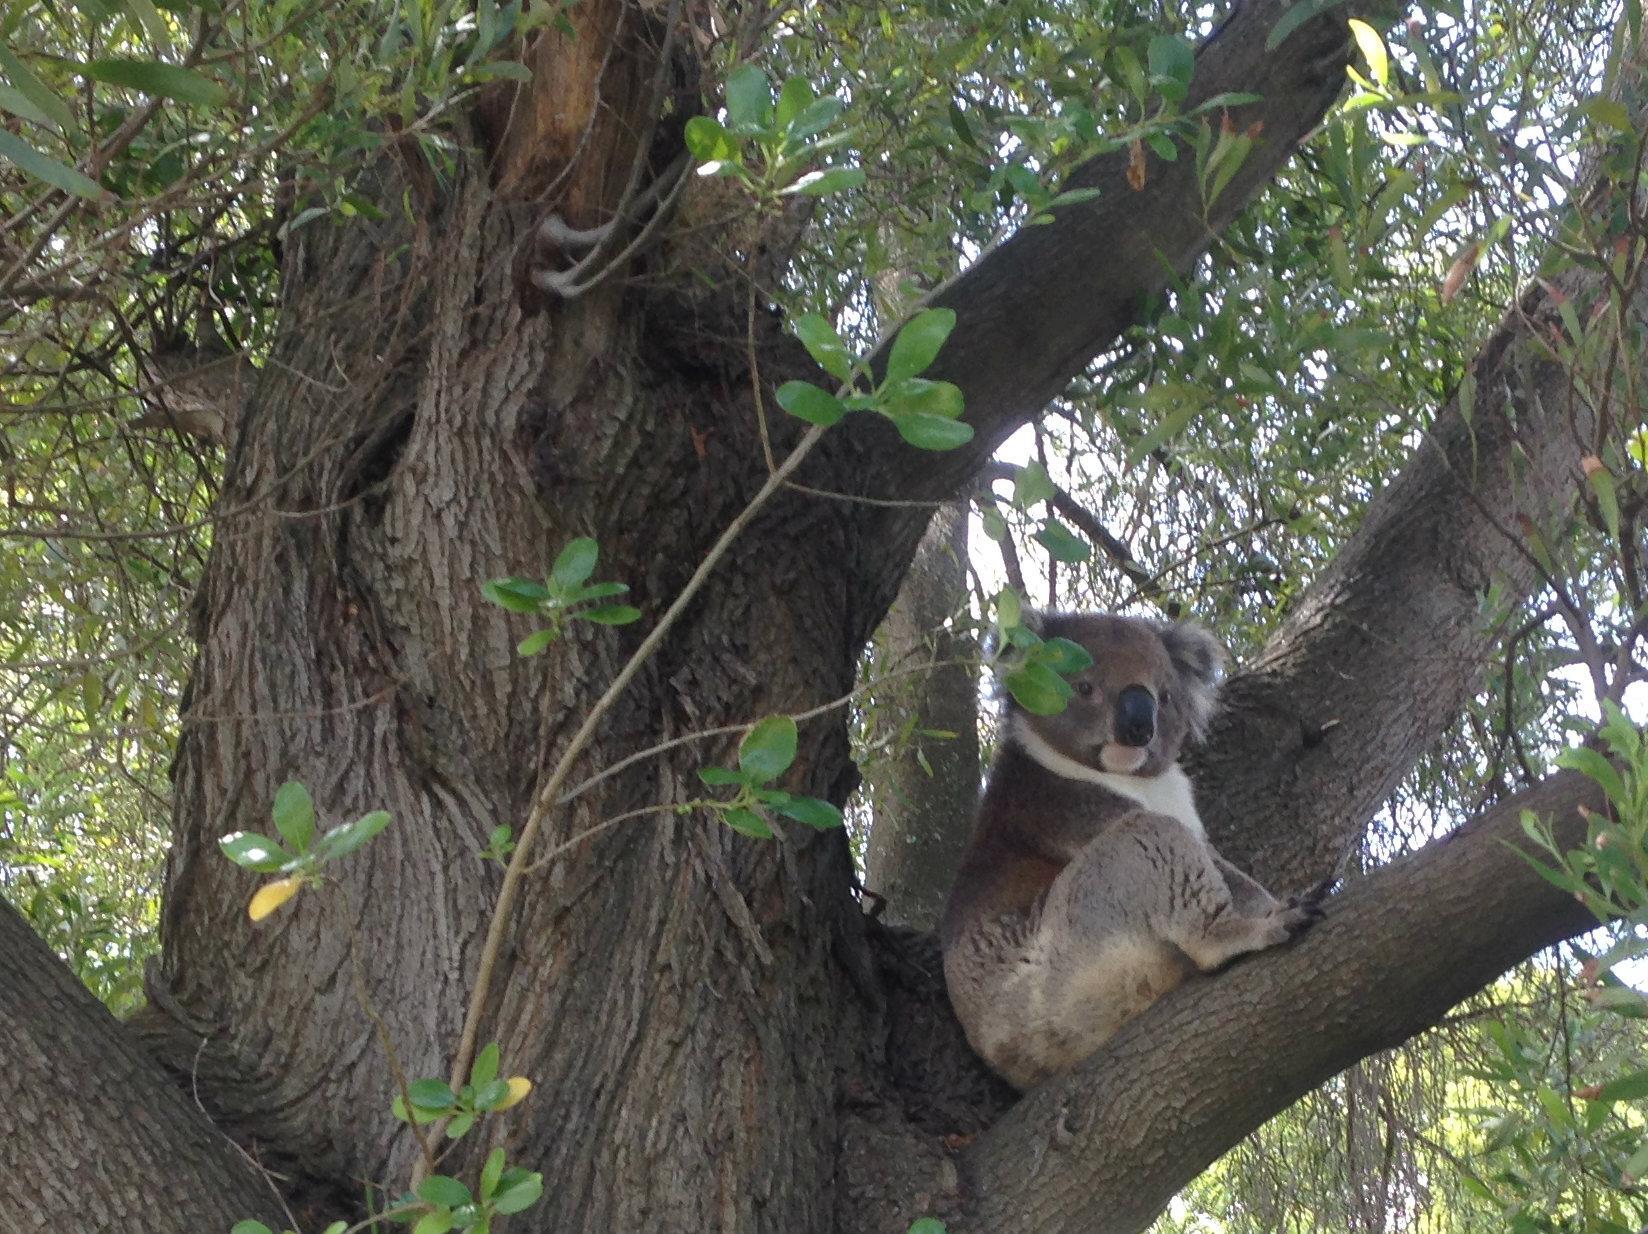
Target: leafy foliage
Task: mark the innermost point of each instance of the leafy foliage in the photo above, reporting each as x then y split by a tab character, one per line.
155	163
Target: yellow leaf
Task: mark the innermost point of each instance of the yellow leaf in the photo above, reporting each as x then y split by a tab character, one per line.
271	896
1372	48
519	1087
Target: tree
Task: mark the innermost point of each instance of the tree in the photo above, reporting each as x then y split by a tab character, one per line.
925	791
510	321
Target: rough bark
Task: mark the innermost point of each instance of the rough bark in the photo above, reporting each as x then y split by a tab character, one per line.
1101	1151
924	795
94	1135
699	1007
417	435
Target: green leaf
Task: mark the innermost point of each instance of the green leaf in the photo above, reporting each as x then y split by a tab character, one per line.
1297	16
917	394
596	591
250	1227
748	823
518	595
535	642
823	183
493	70
1232	155
294	814
1587	761
815	118
19	104
812	811
44	99
485	1069
254	852
805	401
926	431
1038	689
491	1093
459	1126
576	562
58	175
154	25
1621	1000
1610	113
1184	402
1633	1087
719	777
167	81
520	1195
437	1222
491	1172
444	1190
824	345
928	1225
793	98
1061	543
1009	608
1073	197
1225	100
768	749
708	142
749	99
919	342
1063	656
1172	62
994	525
431	1094
1032	484
417	1114
341	841
1125	64
1373	51
1601	481
610	614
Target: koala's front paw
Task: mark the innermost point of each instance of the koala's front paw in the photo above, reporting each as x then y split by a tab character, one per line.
1304	909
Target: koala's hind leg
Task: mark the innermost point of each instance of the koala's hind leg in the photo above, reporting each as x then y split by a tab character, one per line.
1148	877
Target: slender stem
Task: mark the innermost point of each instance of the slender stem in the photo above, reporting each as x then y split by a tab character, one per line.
704	734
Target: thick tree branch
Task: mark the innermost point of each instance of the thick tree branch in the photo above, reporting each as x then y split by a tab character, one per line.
1033	311
128	1150
1377	658
1102	1150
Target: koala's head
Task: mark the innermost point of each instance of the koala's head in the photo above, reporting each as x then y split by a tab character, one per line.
1150	687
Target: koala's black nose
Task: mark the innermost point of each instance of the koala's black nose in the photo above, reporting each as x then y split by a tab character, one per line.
1135	716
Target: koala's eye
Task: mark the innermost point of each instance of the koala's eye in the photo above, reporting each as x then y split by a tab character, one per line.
1085	689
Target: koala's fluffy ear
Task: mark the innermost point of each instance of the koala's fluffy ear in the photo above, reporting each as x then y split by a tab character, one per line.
1200	659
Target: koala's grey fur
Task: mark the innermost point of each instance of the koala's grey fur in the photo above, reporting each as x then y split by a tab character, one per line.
1089	889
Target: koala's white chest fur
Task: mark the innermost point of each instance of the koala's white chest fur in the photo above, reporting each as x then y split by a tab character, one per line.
1168	793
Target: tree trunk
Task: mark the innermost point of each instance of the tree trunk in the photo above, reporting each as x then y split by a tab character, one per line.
417	435
924	794
91	1128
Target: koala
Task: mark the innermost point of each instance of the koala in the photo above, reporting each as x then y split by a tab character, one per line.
1089	888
